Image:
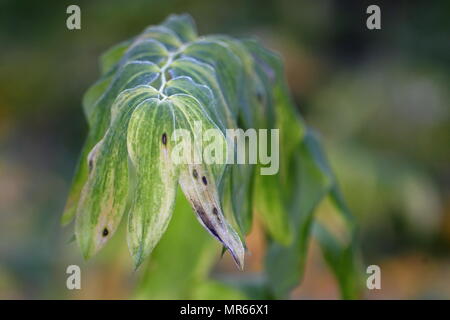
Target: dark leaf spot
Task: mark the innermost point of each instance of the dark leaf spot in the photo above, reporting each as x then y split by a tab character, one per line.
91	164
164	138
205	182
105	232
201	213
216	213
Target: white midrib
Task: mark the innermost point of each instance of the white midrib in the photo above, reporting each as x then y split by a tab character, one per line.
164	68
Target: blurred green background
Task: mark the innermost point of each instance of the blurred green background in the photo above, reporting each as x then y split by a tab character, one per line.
380	100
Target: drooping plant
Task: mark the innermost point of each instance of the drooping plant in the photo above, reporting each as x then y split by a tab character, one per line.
165	79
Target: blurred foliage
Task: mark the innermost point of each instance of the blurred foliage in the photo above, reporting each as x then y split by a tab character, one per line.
380	100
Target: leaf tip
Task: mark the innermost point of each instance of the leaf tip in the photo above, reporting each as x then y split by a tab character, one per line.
67	216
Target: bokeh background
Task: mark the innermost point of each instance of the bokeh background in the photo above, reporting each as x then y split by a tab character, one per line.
380	100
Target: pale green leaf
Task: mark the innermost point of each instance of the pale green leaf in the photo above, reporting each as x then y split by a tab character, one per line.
199	182
183	25
112	56
164	35
104	196
156	176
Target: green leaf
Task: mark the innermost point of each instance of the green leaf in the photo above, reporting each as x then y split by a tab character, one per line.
337	235
112	56
199	182
183	25
131	75
249	90
205	74
315	183
342	260
287	118
186	85
242	181
273	192
146	50
162	34
94	93
226	64
155	176
104	196
285	264
181	259
242	176
268	200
